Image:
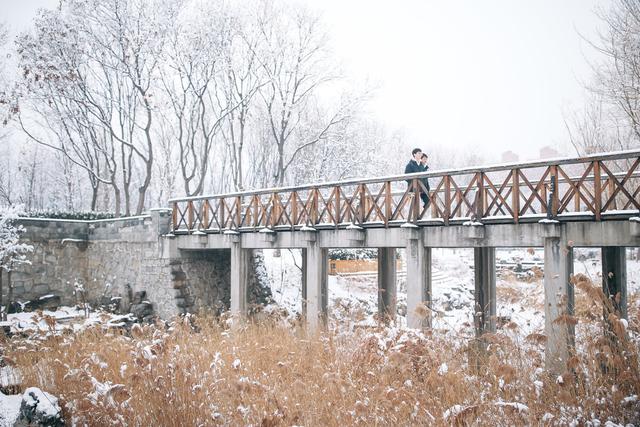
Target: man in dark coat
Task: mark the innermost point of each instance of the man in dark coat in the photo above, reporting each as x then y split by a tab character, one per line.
418	163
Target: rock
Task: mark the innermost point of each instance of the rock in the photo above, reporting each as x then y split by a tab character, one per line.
15	307
46	302
139	297
142	310
178	275
110	304
40	288
39	408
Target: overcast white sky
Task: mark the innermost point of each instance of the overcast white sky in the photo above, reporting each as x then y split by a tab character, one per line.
488	75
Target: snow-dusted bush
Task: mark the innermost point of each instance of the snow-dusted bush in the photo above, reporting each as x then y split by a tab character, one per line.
353	254
55	214
13	253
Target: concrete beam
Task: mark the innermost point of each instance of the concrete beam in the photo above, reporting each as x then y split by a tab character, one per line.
485	290
316	267
581	234
387	288
418	285
614	277
558	303
240	268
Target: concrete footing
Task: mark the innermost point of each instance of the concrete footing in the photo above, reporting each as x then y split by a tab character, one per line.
418	285
558	303
485	290
614	277
387	288
316	292
240	267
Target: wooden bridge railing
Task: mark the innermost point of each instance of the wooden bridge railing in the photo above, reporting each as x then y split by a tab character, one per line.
587	188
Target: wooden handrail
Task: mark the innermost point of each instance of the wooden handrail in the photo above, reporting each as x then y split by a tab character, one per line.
618	155
538	187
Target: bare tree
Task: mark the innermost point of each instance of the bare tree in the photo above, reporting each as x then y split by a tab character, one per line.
5	98
151	96
616	103
191	82
94	64
295	60
240	82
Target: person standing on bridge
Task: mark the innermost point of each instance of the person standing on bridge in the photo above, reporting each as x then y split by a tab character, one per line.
418	163
425	194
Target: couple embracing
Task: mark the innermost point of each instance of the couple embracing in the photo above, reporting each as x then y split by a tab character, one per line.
418	163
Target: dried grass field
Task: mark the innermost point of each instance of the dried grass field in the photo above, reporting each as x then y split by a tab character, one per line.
200	371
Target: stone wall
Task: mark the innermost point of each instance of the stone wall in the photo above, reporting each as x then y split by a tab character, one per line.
117	258
58	261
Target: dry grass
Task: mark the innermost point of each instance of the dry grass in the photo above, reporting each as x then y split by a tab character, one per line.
199	372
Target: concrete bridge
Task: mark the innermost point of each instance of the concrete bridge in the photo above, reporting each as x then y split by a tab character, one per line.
557	204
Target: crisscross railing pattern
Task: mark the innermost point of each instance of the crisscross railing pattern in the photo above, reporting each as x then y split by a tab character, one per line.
593	188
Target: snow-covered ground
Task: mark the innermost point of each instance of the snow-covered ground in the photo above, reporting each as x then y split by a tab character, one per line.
62	319
520	296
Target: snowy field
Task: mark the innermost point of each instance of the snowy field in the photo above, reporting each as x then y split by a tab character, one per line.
520	296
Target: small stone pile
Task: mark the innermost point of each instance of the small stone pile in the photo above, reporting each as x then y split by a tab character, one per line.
39	408
141	308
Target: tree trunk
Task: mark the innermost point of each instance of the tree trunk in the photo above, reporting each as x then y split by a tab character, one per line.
280	180
94	197
116	192
9	292
4	314
127	201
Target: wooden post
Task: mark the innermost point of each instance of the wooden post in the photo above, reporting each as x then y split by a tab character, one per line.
190	215
205	215
554	191
174	216
256	215
363	204
481	196
447	199
274	210
221	213
387	203
294	210
597	189
515	195
314	208
238	211
416	200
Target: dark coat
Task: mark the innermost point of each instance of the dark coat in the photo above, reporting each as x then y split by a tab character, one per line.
413	167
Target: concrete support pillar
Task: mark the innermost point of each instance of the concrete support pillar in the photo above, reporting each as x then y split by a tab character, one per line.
240	268
304	282
315	273
614	277
418	284
485	290
387	290
558	302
